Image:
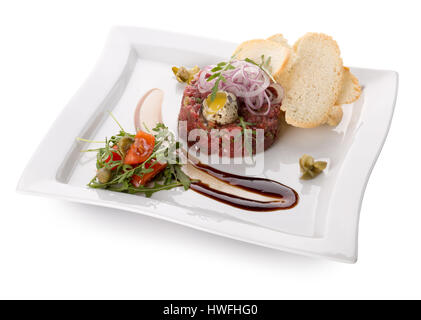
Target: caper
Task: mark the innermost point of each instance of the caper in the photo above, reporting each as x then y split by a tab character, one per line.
306	162
184	75
319	166
104	175
124	144
309	168
308	175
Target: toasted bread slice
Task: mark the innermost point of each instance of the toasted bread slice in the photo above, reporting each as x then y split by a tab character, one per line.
335	115
282	77
314	82
279	37
351	89
254	49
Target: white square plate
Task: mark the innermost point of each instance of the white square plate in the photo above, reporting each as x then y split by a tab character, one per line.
324	223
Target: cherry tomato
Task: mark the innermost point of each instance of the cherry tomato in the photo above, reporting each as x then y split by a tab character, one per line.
141	149
142	180
116	157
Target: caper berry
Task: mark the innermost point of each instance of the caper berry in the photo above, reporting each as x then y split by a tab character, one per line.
124	144
104	175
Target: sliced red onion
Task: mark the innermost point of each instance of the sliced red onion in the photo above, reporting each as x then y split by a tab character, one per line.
279	93
246	81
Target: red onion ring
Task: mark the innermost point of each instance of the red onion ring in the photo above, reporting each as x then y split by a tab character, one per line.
279	93
246	81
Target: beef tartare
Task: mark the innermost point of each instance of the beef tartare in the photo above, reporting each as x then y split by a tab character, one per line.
231	101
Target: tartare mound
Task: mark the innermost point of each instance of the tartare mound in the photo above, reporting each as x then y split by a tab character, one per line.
216	140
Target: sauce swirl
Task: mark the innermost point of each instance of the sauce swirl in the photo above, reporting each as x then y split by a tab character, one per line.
283	197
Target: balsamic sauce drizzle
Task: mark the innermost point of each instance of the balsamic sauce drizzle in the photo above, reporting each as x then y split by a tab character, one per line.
286	197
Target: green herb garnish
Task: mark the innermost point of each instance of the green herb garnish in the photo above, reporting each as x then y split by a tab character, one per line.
221	67
218	75
264	65
114	175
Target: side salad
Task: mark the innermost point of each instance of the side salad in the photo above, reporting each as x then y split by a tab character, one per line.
145	162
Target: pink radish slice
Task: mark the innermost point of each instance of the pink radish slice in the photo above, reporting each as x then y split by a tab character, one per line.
148	111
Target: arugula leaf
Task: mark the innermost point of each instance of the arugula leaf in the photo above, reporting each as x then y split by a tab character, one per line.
182	177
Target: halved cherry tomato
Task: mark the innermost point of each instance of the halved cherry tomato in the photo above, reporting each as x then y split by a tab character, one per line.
116	157
142	180
141	149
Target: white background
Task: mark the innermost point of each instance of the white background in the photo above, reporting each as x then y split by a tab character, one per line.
55	249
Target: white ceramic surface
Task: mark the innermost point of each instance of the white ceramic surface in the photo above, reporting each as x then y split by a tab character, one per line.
134	60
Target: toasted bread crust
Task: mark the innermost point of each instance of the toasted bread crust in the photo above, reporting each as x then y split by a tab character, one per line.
253	49
335	116
279	37
283	76
314	82
351	90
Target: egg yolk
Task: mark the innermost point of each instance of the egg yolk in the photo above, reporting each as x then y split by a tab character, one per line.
217	104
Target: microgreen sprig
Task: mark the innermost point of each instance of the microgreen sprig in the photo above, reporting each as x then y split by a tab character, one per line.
218	70
264	65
